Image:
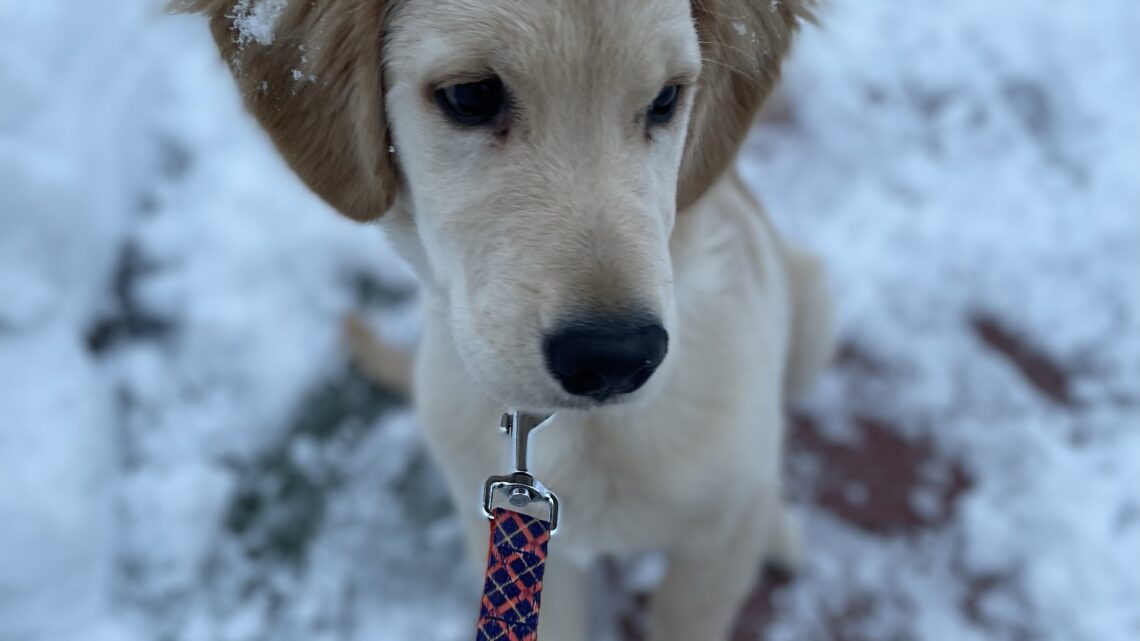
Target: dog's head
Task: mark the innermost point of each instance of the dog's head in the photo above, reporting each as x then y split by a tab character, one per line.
531	155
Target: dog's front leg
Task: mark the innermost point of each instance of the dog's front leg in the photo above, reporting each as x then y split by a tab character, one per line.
708	579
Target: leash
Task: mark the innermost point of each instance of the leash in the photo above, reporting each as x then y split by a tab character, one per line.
523	514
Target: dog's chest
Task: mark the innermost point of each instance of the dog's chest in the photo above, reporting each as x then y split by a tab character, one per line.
609	508
630	488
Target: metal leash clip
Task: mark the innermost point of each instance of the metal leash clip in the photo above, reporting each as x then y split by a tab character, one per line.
519	491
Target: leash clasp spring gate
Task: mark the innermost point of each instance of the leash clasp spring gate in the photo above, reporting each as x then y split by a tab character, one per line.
521	491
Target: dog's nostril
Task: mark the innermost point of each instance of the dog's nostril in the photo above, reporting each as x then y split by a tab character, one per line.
604	359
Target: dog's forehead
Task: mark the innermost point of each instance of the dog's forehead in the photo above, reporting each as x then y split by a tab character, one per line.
593	36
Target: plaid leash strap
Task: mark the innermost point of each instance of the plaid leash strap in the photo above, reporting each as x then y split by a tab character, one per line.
512	593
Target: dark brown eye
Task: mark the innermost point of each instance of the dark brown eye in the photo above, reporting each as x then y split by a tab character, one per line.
662	108
472	103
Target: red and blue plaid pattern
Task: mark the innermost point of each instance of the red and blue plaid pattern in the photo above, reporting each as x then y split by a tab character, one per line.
512	593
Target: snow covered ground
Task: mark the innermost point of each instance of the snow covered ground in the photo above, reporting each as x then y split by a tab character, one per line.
185	454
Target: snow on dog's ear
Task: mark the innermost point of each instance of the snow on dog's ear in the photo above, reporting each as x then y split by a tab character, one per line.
742	44
311	74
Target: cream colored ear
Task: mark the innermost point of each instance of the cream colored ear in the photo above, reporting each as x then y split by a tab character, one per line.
742	44
311	74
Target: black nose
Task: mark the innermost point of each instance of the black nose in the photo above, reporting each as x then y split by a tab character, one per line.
604	359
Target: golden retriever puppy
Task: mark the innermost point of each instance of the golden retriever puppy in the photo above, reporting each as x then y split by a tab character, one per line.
559	175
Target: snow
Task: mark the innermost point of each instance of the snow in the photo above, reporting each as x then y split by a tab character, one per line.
256	20
978	162
184	453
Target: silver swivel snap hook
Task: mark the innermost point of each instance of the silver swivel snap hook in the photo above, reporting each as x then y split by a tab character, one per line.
521	491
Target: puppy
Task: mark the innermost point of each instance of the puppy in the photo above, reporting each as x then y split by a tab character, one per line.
559	175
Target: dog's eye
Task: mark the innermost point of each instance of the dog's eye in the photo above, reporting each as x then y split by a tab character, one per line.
662	108
472	103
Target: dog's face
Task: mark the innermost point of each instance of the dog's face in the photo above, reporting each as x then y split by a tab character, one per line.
537	154
541	144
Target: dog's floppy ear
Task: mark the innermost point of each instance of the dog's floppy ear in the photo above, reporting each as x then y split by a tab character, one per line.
311	74
742	44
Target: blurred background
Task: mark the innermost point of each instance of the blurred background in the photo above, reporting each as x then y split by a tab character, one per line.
187	455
